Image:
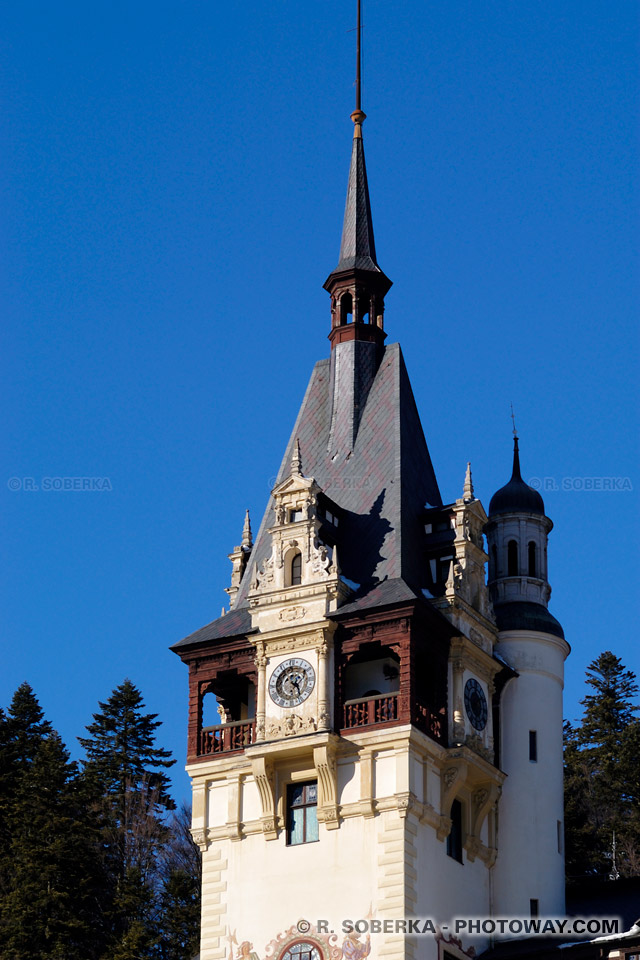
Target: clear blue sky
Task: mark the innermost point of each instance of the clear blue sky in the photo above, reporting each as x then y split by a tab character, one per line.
173	182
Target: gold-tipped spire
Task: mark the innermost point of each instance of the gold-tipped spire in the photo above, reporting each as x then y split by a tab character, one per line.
358	116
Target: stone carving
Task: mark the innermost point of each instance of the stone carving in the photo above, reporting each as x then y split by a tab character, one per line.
292	613
200	838
290	725
266	574
450	776
321	561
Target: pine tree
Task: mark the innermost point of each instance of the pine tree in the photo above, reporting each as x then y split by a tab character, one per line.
181	872
602	788
22	731
125	771
121	749
50	903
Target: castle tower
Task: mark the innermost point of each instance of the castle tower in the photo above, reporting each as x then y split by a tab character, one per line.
532	641
350	766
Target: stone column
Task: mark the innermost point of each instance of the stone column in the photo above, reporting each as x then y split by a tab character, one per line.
261	663
324	719
458	716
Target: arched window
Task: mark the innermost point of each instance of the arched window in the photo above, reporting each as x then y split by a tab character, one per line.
296	569
494	557
512	559
363	310
532	559
346	308
454	840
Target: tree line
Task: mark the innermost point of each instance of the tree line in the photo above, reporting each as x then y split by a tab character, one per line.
602	776
96	862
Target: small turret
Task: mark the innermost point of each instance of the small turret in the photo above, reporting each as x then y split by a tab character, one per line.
517	532
239	558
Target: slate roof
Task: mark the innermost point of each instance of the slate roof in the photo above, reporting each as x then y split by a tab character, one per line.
237	623
381	485
357	247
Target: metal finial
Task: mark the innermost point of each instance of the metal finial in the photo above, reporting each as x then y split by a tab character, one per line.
247	537
296	460
358	116
515	432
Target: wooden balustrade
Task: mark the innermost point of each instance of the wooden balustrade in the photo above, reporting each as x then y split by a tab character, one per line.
227	736
432	723
368	710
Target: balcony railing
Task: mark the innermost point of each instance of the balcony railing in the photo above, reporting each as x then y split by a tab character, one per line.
432	723
227	736
368	710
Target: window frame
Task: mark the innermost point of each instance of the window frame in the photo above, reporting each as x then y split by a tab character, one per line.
304	806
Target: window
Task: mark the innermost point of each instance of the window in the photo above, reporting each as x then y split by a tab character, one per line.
532	559
305	950
533	746
331	518
428	528
295	515
302	813
512	559
296	569
346	308
534	907
454	840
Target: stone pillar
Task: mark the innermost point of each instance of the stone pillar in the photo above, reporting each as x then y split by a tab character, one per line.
458	716
324	719
261	663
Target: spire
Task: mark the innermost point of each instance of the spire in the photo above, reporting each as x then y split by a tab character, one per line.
516	475
247	538
296	460
357	285
467	490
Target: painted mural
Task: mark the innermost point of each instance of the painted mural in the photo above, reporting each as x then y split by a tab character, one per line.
303	942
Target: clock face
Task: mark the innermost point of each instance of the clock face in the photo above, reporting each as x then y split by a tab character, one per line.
475	704
291	682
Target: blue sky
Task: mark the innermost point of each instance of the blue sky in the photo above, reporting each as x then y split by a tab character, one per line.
173	182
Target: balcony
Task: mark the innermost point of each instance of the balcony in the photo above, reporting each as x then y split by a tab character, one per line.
434	724
227	737
369	710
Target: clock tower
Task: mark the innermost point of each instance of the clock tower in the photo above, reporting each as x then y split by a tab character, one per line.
355	717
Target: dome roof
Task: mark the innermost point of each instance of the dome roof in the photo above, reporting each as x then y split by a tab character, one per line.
516	496
525	615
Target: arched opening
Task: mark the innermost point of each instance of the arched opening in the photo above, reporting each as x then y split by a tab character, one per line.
372	673
512	559
363	310
494	559
454	840
306	950
532	559
346	308
212	714
295	568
